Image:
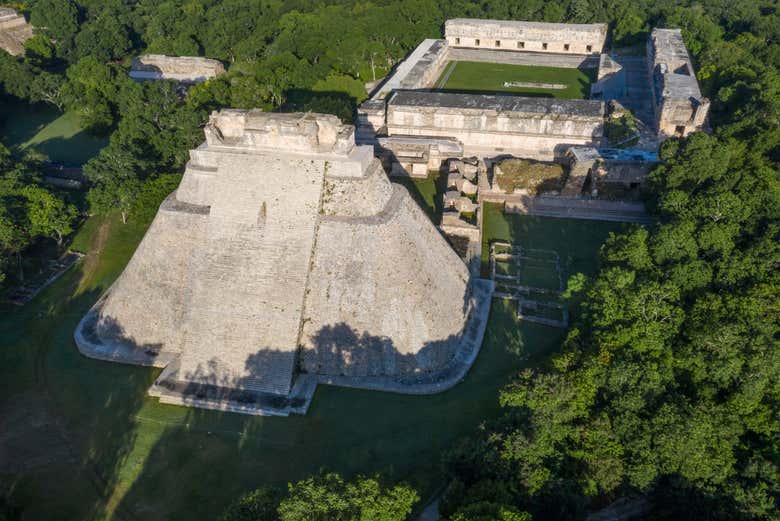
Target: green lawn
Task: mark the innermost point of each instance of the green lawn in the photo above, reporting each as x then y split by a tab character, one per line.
57	135
486	78
428	192
81	440
576	241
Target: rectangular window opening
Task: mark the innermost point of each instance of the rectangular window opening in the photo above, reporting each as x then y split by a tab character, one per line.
520	45
457	40
565	46
544	46
589	48
476	42
498	43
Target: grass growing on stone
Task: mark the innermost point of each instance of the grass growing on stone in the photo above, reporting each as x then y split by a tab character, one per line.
43	127
81	440
530	175
489	78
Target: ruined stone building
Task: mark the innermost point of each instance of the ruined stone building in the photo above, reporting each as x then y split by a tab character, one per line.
414	123
14	31
488	124
285	258
185	69
526	36
677	101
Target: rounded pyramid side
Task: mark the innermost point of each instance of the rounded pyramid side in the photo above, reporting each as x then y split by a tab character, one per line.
387	295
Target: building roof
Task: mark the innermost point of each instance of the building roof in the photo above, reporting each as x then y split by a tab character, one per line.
672	65
499	103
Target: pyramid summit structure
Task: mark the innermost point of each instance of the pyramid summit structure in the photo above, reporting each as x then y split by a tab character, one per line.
286	258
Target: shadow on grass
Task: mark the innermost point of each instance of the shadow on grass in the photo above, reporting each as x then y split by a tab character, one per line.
127	456
427	192
220	455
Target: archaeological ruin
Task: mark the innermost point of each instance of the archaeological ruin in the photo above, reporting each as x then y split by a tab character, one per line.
677	101
184	69
412	115
286	258
14	31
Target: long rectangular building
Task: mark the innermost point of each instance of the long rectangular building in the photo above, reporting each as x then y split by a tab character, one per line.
526	36
678	103
535	127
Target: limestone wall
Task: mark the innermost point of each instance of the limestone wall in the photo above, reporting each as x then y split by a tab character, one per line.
678	103
526	36
14	31
389	284
539	126
188	69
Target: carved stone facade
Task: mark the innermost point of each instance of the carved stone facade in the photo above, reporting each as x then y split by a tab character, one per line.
677	101
486	124
185	69
286	248
526	36
14	31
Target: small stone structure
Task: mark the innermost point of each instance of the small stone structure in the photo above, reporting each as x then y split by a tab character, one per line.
286	258
184	69
526	176
415	157
677	101
623	169
14	31
526	36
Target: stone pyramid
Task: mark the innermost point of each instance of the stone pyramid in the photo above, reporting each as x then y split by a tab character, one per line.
286	258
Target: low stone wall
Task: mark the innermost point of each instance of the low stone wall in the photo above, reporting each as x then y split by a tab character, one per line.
536	59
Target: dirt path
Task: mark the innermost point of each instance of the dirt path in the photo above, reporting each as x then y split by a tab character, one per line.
91	260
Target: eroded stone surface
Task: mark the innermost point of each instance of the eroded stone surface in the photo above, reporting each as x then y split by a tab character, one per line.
186	69
284	246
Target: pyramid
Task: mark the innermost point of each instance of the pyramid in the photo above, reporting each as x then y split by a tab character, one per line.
286	258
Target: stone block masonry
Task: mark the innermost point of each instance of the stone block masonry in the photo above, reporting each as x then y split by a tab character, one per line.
14	31
285	247
526	36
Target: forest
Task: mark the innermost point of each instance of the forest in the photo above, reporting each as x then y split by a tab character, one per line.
667	388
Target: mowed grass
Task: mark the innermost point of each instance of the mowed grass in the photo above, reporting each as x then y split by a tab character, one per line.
487	78
575	240
81	440
428	192
58	135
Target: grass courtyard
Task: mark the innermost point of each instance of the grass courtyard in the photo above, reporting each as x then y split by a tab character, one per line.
79	438
576	241
57	135
489	78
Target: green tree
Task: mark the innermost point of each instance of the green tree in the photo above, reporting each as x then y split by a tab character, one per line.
329	498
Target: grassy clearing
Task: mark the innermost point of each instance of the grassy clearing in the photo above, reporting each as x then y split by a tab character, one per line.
487	78
55	134
576	241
